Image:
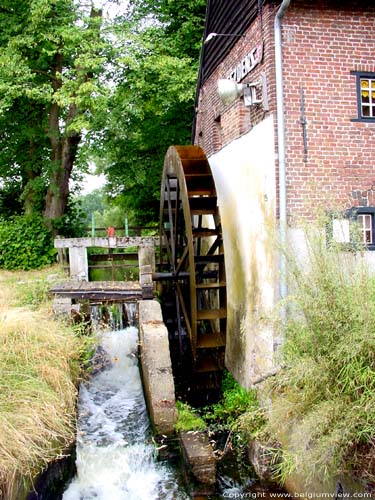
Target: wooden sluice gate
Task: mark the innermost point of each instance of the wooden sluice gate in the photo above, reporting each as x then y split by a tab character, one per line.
78	289
98	291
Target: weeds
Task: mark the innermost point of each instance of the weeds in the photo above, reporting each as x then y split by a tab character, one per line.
325	400
235	402
188	419
39	366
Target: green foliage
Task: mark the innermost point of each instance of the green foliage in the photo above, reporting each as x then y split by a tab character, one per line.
235	402
188	419
153	104
90	204
25	243
326	394
53	58
71	224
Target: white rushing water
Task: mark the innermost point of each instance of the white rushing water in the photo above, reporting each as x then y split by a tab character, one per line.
115	457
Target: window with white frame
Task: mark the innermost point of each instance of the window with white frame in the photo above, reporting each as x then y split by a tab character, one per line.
356	222
367	96
366	223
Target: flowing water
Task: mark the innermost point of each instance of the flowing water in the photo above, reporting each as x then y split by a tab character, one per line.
115	454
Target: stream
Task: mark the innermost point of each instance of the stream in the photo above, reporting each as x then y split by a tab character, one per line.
116	457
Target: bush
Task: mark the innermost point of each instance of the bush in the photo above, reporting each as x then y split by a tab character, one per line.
25	243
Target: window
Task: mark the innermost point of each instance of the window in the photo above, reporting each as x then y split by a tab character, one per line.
365	96
366	223
341	228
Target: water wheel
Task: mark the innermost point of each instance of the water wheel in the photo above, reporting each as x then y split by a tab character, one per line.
192	257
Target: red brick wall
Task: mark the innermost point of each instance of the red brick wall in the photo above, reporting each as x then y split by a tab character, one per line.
218	125
321	47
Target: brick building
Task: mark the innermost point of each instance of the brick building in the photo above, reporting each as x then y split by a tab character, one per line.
301	138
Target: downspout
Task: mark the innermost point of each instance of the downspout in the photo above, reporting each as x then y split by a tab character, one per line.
283	290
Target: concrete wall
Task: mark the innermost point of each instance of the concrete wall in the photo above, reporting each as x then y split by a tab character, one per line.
244	173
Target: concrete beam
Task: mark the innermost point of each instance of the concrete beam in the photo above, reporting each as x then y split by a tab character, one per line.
78	264
104	242
146	262
157	368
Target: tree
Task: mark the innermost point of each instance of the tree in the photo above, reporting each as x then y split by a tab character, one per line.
52	54
152	106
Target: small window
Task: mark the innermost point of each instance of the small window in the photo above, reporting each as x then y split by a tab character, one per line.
366	223
342	231
365	96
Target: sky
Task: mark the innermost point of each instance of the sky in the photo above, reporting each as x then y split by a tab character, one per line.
91	182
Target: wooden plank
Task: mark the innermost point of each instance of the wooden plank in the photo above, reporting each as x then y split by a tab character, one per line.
207	365
211	340
204	259
212	314
225	17
204	232
115	256
203	205
99	290
112	266
211	286
95	285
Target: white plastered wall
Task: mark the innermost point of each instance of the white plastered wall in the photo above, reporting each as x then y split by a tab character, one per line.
244	173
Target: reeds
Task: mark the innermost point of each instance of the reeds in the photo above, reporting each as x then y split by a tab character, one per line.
39	368
324	401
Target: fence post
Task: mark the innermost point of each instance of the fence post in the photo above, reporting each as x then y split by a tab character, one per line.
92	225
126	227
146	262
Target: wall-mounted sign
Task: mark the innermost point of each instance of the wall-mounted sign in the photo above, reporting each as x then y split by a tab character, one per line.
248	63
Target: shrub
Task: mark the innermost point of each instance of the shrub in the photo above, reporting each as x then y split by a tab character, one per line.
25	243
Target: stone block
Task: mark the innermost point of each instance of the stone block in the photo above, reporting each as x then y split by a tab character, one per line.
199	456
157	368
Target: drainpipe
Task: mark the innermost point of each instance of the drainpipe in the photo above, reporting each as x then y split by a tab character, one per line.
283	290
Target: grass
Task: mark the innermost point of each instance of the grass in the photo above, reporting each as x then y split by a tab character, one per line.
188	419
324	400
39	366
235	402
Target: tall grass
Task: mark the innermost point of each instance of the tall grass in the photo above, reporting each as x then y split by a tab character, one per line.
324	400
39	366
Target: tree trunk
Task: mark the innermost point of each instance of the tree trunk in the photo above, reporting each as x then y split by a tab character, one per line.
64	153
64	144
31	175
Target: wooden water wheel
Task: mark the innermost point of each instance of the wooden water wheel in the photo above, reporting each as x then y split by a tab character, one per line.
192	258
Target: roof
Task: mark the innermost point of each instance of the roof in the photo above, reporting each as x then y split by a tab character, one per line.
225	16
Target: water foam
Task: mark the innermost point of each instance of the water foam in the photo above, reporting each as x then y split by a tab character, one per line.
115	459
